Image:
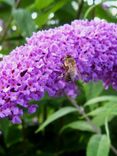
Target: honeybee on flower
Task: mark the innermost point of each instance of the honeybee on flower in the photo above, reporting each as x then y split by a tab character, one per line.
71	70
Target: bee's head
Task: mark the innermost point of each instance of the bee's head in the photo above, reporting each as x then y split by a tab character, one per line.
69	60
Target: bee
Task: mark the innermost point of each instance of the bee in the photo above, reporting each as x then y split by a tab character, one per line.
71	70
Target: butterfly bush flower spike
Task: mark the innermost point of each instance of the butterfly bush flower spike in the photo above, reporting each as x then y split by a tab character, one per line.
38	66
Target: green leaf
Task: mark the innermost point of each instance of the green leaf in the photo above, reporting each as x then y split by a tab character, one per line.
98	145
96	100
108	111
104	14
98	11
109	108
93	89
89	10
78	125
97	111
40	4
10	2
24	21
69	14
99	120
58	114
42	18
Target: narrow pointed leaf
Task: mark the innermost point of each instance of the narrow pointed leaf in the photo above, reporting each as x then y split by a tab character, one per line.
58	114
40	4
101	99
98	146
78	125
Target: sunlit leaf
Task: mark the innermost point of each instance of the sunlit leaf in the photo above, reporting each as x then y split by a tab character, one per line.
93	89
40	4
58	114
109	107
89	11
104	14
24	21
96	100
108	111
99	120
10	2
78	125
43	17
98	146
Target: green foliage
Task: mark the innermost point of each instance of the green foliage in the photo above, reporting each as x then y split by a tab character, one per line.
93	89
60	113
24	21
62	130
43	17
96	100
41	4
98	145
10	2
78	125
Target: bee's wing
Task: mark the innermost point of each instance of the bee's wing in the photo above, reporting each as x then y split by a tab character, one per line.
79	74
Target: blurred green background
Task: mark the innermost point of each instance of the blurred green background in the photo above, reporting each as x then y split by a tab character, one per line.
61	130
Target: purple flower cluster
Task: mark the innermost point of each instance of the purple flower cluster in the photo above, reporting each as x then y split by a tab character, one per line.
38	67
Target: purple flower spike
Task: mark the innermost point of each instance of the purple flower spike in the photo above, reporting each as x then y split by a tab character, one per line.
41	65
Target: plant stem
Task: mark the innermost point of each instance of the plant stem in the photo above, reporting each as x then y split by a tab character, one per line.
82	112
113	149
94	127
